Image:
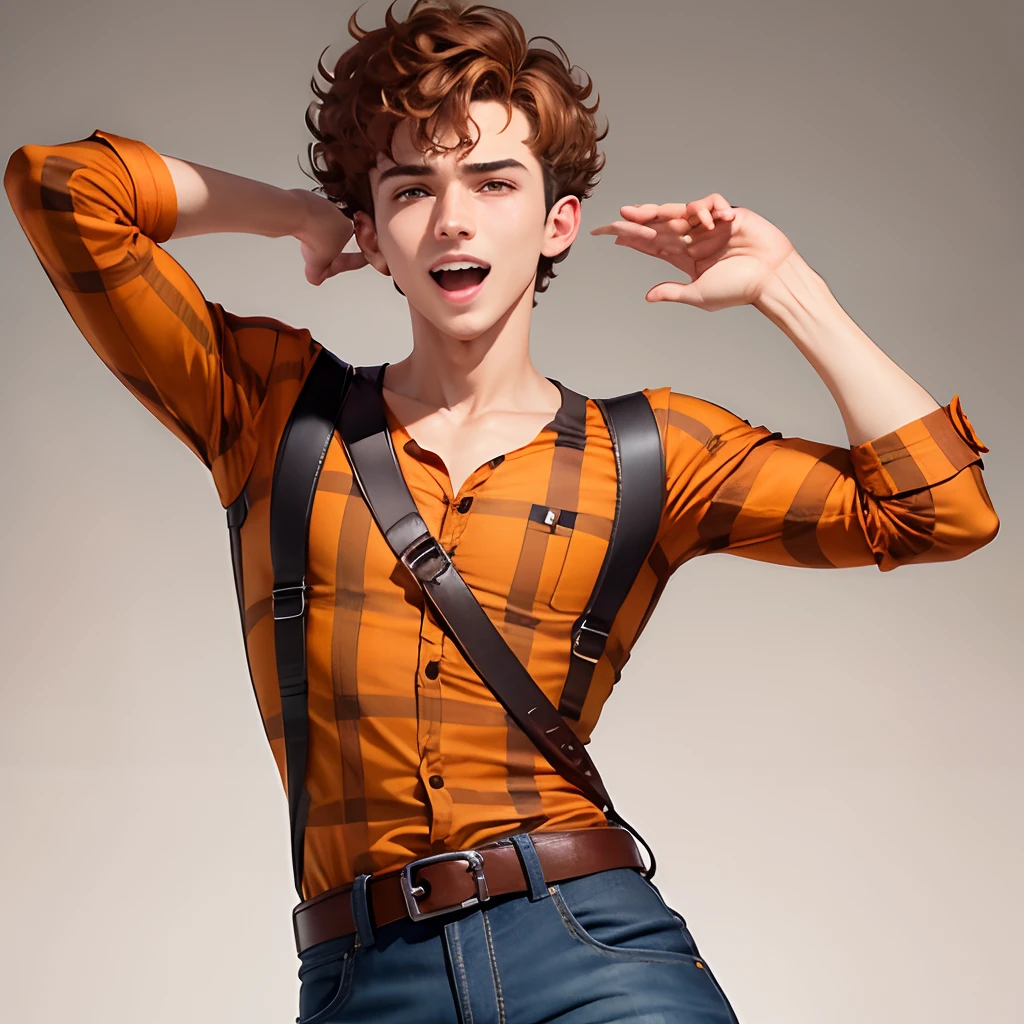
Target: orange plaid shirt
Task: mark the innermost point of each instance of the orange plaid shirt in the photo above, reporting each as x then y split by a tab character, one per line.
410	753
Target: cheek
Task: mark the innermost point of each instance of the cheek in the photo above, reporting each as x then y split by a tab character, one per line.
401	236
517	241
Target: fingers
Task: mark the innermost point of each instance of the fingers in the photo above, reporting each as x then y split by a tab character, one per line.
651	211
628	230
642	235
344	261
701	212
349	261
706	211
704	248
701	231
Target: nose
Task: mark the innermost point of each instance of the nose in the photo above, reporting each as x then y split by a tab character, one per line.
454	214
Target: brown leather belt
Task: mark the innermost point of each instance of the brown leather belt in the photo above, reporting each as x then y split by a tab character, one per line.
450	881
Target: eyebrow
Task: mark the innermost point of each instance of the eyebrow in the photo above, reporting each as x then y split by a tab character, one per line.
417	170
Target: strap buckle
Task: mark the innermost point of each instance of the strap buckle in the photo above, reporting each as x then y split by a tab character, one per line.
292	593
413	893
425	559
591	646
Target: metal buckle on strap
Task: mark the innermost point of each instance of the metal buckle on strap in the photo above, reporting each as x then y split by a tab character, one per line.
413	893
289	593
589	647
425	559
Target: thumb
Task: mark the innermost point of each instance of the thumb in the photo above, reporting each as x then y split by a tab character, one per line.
676	291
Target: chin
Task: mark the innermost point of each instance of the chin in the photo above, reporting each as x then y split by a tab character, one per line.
466	327
464	324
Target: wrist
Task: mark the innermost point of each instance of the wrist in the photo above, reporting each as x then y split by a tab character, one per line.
799	302
794	292
313	213
304	213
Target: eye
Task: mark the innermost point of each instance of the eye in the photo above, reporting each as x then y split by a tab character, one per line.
416	188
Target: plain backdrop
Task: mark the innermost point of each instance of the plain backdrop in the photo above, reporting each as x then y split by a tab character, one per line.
828	763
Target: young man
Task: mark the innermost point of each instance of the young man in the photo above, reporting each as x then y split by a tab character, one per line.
410	755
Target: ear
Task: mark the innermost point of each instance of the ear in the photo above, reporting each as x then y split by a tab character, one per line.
562	226
366	239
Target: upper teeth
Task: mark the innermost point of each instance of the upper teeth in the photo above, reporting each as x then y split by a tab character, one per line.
459	266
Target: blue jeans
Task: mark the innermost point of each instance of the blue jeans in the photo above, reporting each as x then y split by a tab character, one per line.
601	949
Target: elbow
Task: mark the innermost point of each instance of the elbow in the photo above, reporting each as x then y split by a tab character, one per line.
982	531
23	180
941	523
16	176
952	542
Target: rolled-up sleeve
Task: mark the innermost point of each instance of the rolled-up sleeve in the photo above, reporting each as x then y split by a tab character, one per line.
913	495
95	212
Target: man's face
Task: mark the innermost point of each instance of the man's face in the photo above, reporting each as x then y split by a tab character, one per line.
494	215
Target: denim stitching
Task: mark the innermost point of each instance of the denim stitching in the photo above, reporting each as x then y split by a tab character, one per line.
575	929
324	958
341	996
452	930
494	969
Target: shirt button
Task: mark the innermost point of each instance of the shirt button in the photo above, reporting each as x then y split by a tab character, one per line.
464	504
431	670
436	782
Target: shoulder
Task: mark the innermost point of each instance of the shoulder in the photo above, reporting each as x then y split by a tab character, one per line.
698	419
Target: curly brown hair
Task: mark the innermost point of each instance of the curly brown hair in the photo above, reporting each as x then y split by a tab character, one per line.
429	68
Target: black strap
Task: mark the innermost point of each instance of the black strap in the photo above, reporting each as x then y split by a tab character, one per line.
300	457
640	498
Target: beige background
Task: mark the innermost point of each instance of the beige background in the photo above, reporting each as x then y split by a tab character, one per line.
828	763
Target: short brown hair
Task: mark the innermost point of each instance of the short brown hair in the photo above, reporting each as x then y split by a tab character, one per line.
429	68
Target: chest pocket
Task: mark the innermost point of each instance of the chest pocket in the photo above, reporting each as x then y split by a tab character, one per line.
576	546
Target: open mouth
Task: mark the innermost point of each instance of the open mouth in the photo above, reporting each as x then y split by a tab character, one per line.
459	280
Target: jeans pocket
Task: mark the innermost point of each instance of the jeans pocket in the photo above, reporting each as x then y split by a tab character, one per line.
326	979
619	914
623	918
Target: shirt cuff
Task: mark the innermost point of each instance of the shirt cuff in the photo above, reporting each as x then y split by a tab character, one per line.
922	453
156	199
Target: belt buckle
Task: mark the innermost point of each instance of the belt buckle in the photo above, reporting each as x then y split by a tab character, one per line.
412	893
280	595
589	643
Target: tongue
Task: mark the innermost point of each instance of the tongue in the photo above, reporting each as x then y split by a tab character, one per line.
453	280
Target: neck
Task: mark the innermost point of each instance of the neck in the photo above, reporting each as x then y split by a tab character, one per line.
476	374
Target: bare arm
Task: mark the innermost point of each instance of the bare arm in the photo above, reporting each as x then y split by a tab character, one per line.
212	201
874	394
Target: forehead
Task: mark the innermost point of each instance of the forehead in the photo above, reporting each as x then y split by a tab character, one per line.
492	143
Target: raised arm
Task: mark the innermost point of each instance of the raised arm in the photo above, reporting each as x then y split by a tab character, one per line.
211	201
95	212
908	489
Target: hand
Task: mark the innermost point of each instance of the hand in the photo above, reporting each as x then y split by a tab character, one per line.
730	253
325	231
